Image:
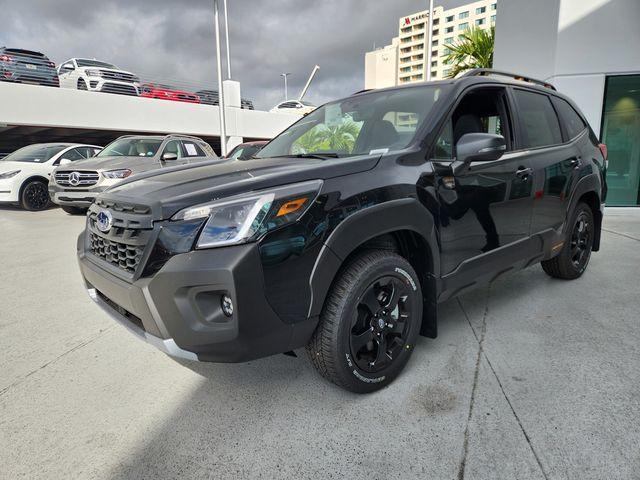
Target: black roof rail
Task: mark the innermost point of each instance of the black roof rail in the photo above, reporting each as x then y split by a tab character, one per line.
483	72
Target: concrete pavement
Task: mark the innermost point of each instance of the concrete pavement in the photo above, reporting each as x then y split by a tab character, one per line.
530	378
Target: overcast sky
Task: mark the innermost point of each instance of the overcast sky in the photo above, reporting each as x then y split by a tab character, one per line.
173	40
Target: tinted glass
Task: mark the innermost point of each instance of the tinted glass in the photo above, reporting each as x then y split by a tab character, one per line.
539	126
34	153
621	134
570	118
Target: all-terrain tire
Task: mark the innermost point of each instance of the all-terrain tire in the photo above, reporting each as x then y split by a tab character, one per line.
330	348
574	257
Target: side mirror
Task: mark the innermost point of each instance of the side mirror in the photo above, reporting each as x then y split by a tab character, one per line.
478	147
169	156
64	161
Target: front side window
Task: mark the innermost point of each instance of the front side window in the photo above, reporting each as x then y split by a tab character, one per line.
570	118
539	126
481	111
173	146
34	153
131	147
371	122
73	155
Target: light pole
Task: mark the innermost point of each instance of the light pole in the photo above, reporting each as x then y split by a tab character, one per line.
226	31
429	43
285	75
223	127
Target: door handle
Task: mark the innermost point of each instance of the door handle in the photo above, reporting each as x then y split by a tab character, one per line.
575	162
523	172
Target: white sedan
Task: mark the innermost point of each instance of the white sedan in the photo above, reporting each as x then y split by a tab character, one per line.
24	174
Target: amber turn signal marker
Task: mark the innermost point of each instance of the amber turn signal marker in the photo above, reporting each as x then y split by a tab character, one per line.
291	206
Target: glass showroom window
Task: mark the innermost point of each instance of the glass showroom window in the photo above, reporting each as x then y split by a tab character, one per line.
621	134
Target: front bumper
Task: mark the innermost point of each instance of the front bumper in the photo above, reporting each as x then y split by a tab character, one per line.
9	190
74	197
178	309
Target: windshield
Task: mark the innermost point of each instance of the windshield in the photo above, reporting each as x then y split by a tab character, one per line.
94	63
244	152
374	122
34	153
131	147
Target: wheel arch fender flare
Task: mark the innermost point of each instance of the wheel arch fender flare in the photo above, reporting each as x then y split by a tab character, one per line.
30	179
405	214
588	184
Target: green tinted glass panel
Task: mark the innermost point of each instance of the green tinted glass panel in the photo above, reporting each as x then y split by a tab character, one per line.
621	134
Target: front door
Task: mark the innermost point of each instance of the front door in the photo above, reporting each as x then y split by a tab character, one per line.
487	207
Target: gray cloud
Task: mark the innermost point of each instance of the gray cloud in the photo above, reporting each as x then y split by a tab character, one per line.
174	41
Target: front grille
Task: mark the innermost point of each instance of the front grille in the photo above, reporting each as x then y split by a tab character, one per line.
76	179
126	256
118	76
119	89
123	207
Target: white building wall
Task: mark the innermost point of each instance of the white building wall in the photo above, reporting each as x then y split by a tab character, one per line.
33	105
573	44
381	66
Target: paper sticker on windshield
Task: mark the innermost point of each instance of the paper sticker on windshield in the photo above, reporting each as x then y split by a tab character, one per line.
332	115
379	151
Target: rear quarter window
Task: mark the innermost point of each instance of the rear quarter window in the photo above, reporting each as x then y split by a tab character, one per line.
572	121
539	125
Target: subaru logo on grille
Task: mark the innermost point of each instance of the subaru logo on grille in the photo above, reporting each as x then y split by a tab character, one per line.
104	221
74	178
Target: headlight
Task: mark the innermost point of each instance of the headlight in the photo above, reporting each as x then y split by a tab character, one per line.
243	218
93	73
123	173
13	173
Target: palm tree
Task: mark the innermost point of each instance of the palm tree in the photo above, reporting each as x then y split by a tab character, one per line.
474	50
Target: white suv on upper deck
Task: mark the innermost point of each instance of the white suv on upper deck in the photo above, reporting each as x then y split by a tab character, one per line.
97	76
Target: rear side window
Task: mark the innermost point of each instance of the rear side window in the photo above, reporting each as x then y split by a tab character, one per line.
539	126
573	122
192	149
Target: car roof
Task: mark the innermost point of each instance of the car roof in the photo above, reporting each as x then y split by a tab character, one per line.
476	76
161	137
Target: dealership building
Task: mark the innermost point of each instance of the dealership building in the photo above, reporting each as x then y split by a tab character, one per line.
589	49
405	59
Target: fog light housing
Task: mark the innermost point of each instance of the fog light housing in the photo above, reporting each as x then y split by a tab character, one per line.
227	305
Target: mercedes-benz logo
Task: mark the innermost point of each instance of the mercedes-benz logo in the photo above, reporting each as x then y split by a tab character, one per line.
104	221
74	178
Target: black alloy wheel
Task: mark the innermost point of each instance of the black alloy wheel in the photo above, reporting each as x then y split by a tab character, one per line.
380	327
369	323
35	196
574	257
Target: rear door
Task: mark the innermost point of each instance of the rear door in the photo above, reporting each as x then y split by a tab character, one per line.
552	158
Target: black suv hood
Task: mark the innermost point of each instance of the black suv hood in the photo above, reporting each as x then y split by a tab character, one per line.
170	190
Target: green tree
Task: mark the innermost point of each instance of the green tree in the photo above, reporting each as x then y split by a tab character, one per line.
473	50
338	138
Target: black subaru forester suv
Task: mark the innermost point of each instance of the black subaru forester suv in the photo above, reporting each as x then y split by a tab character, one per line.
345	232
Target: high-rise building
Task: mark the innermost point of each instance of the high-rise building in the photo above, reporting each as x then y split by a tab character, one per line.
404	61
